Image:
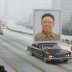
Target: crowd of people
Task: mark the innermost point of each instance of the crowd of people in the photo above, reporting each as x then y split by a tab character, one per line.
67	41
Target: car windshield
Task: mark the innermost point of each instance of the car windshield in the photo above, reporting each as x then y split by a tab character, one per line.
56	46
51	46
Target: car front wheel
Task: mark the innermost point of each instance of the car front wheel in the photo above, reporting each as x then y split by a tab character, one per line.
32	54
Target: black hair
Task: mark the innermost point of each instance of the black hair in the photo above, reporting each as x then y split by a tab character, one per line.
49	15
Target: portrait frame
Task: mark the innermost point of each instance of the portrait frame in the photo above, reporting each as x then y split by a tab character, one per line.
37	14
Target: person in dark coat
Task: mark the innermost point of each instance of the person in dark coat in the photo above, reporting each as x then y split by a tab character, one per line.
2	69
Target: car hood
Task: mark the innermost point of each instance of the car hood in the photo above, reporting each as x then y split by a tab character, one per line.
57	51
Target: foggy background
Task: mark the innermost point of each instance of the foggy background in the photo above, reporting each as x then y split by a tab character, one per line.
20	12
66	8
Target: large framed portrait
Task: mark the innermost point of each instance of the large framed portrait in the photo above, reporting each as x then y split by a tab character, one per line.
47	25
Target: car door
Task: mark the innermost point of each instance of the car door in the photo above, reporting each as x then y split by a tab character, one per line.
39	51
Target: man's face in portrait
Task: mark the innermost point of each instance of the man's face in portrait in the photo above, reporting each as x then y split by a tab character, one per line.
47	24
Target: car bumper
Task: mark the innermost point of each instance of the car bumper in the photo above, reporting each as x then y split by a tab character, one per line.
61	58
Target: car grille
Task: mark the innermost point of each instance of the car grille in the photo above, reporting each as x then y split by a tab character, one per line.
59	55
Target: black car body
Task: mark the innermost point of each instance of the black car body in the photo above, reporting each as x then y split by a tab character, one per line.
49	52
1	32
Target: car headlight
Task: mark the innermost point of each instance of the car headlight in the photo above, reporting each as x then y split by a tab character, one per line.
51	56
67	55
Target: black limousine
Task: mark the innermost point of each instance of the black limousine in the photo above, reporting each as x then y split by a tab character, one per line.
49	52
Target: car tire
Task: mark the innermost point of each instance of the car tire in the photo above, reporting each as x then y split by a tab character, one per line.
1	33
66	60
45	60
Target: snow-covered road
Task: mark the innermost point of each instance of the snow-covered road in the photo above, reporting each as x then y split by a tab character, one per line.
14	52
15	58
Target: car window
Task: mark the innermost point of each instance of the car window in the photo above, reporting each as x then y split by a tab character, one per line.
47	45
51	46
37	46
56	46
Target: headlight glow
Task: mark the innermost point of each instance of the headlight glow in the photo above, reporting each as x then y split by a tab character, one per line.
67	55
51	56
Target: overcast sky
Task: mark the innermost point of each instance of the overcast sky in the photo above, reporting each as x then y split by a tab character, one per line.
22	9
2	7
